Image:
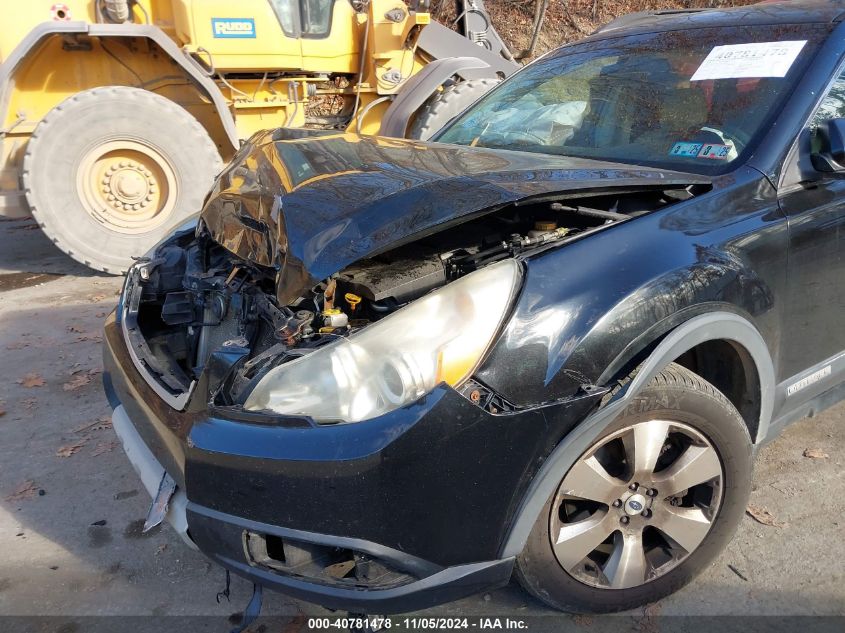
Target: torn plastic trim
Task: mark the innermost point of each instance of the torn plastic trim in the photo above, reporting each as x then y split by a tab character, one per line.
165	385
150	471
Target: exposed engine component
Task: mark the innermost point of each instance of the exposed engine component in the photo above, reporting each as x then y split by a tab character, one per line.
199	305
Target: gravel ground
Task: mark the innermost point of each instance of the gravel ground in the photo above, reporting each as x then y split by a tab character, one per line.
71	507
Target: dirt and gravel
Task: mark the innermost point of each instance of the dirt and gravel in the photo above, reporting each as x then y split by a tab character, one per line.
71	508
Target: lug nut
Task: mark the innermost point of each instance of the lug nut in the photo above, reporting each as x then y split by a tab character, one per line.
617	503
651	492
647	513
624	520
634	486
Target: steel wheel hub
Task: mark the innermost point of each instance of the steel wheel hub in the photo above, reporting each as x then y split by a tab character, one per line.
127	185
636	504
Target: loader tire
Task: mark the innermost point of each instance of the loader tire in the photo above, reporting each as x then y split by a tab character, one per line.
447	104
110	171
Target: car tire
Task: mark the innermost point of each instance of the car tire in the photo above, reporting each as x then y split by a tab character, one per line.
606	579
447	104
110	171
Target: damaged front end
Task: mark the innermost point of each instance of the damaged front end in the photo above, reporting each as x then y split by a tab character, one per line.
193	302
309	380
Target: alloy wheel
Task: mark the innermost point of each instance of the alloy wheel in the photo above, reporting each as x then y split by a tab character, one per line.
636	504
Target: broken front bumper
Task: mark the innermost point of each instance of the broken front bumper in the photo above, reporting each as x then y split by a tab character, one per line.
394	514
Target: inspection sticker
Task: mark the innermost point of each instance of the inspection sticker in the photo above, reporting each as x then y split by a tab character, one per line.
735	61
714	151
688	150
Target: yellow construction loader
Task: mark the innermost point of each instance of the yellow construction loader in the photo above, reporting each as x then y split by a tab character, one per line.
117	114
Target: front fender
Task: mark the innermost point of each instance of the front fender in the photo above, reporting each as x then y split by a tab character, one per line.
590	308
705	327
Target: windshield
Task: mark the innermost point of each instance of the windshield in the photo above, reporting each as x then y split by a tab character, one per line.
693	100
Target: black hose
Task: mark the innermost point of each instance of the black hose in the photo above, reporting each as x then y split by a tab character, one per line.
591	213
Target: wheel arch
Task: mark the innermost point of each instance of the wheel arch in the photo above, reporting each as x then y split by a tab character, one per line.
39	35
650	358
419	88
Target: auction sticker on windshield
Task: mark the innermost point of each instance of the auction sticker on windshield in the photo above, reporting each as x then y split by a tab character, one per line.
762	59
714	151
689	150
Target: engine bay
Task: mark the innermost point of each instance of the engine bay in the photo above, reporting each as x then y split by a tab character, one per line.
195	303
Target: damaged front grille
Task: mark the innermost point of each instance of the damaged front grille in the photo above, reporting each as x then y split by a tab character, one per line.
328	565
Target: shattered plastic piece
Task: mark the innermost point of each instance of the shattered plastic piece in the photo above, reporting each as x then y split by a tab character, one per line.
158	508
252	611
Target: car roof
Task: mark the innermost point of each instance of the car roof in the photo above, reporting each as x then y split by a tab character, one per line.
792	12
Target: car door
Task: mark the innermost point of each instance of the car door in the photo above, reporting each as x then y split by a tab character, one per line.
812	355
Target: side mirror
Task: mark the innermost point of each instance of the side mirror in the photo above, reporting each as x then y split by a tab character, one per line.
831	138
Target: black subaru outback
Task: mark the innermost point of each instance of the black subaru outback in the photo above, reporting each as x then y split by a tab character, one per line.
380	374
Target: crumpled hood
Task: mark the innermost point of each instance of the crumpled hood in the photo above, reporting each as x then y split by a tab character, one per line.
310	207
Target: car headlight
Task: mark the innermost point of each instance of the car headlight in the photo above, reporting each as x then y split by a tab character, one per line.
441	337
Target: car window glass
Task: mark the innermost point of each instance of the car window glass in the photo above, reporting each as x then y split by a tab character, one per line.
643	99
831	107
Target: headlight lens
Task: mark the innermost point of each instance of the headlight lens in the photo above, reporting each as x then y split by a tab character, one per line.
441	337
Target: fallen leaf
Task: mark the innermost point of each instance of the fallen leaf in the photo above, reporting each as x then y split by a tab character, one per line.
79	380
13	346
96	298
88	337
75	328
29	403
26	490
32	380
100	424
161	548
69	449
762	515
103	447
100	315
2	412
815	453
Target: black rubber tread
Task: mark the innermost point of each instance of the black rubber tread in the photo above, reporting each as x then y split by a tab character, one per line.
447	104
41	144
537	569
